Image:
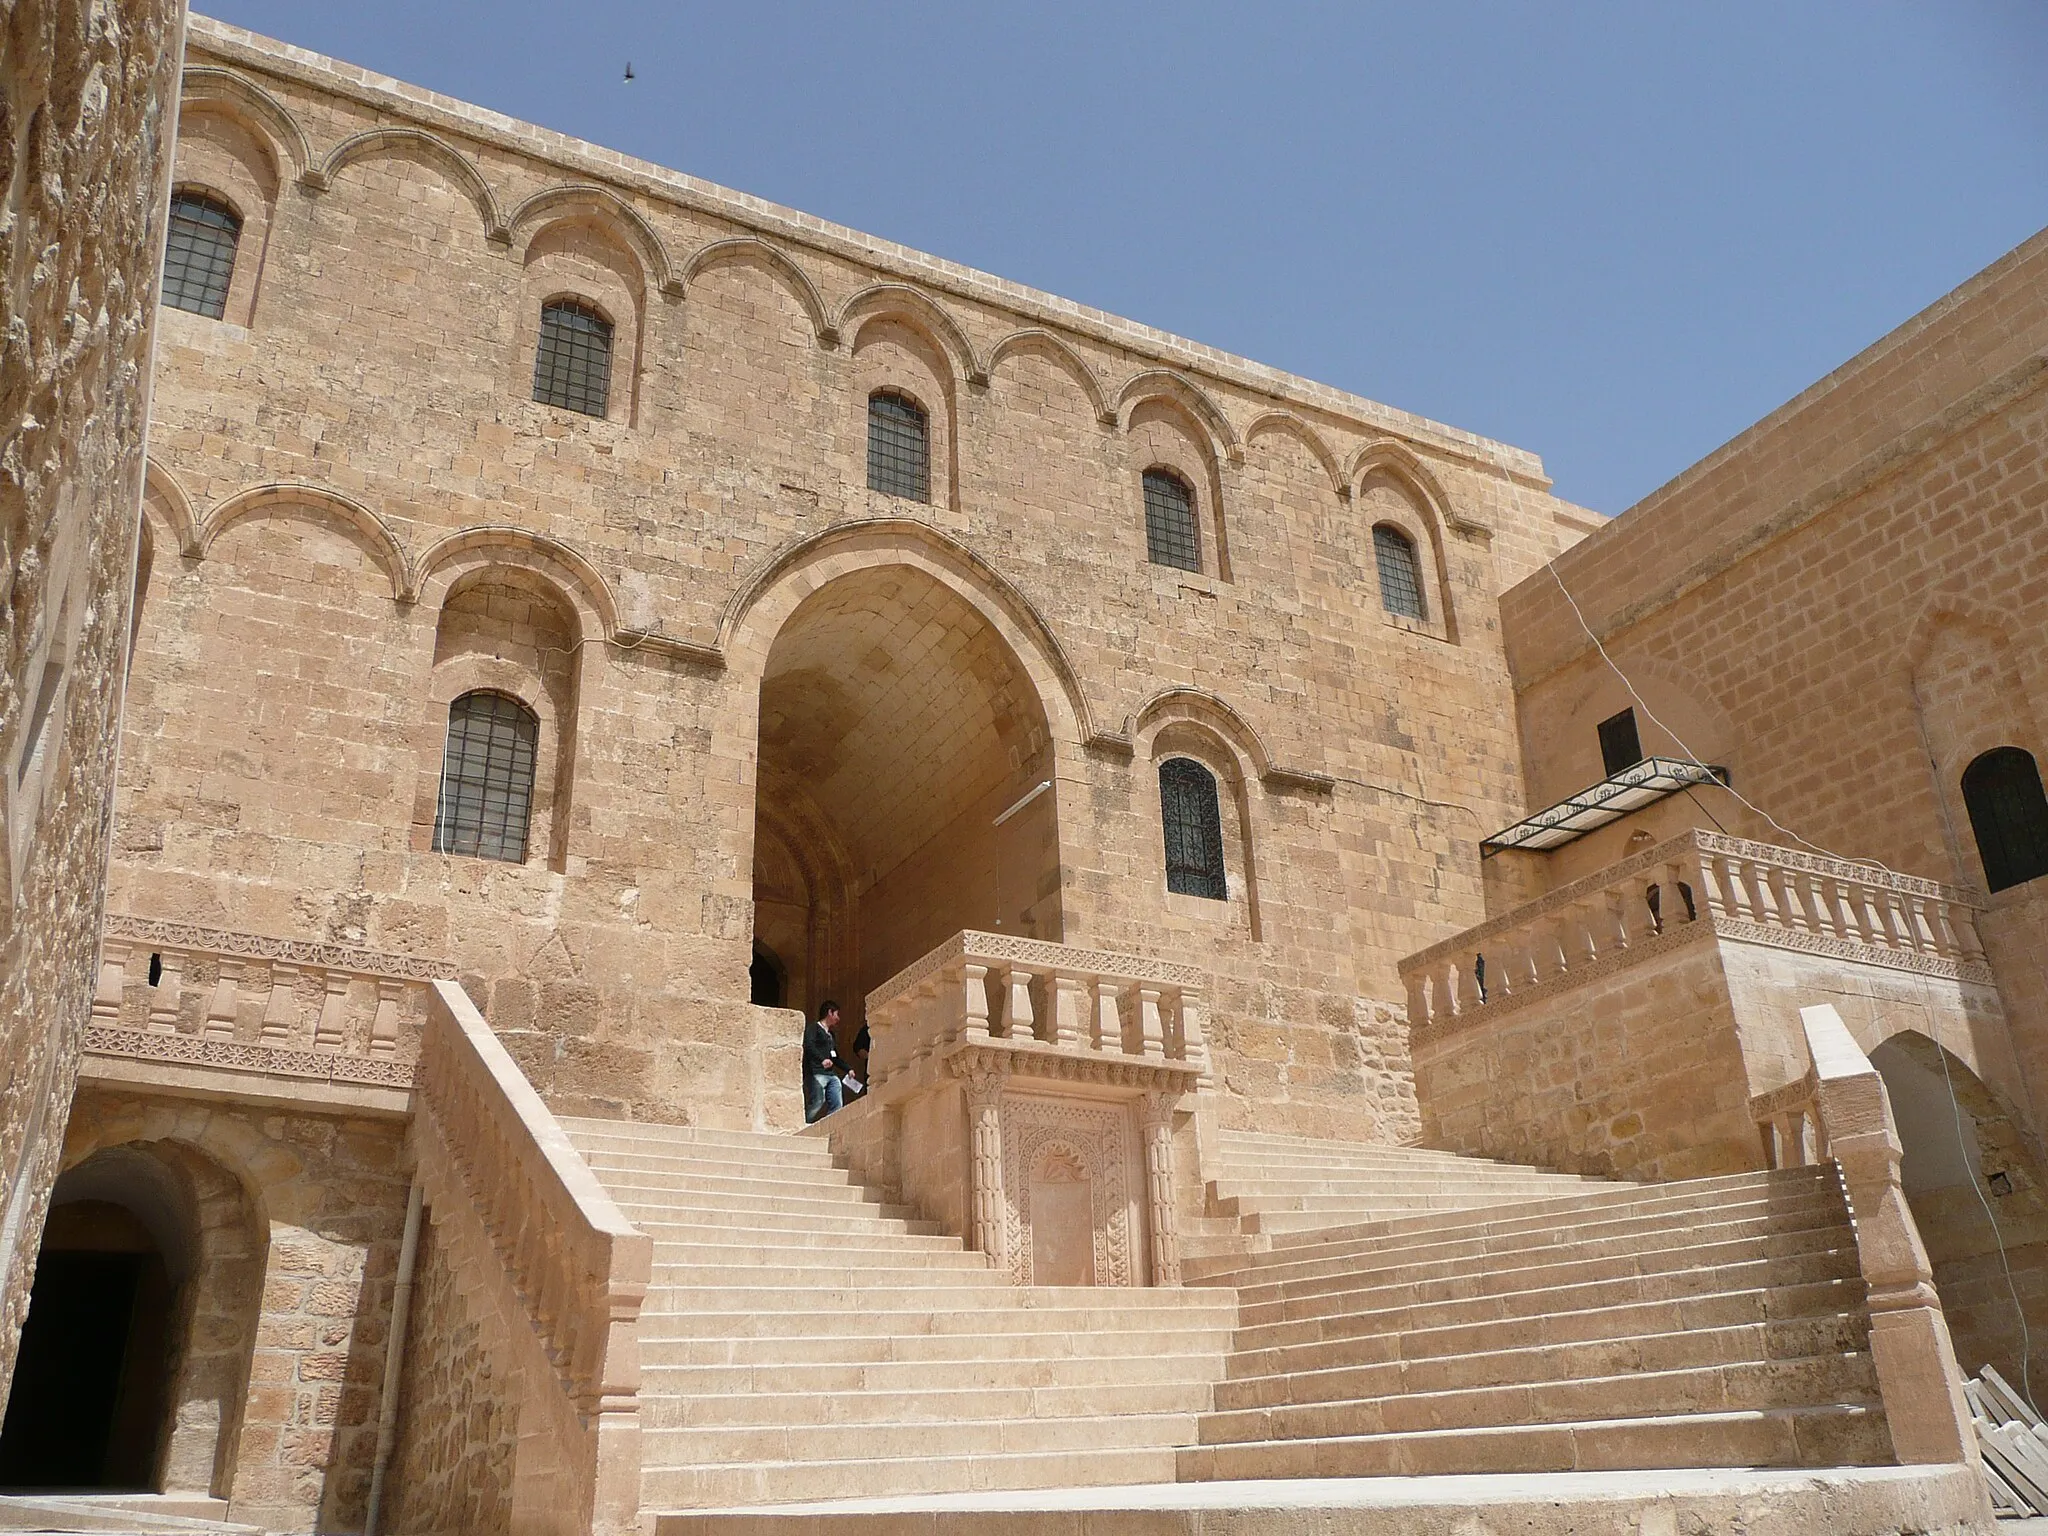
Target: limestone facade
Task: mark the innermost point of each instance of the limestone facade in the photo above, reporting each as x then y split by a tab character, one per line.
85	138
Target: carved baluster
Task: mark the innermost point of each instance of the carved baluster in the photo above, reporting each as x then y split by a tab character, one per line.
1891	913
974	1000
1963	922
220	1011
1019	1021
985	1166
1581	934
281	1012
384	1027
169	990
1921	926
1616	930
112	982
1109	1018
1546	950
1155	1117
1151	1030
1194	1035
1713	886
330	1031
1069	1009
1418	998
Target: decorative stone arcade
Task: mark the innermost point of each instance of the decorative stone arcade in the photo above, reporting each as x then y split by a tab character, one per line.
1023	1095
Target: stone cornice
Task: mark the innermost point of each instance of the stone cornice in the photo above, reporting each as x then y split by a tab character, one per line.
306	952
243	1057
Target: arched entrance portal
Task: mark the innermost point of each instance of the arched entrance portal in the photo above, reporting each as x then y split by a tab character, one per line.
1977	1195
897	728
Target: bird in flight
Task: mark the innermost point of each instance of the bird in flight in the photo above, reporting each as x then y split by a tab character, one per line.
629	69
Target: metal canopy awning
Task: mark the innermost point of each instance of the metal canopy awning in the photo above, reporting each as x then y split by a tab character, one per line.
1636	786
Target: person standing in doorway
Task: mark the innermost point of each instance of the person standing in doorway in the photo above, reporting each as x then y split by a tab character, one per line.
822	1093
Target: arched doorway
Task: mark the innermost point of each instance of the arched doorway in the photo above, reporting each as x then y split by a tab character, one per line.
1977	1195
896	730
92	1381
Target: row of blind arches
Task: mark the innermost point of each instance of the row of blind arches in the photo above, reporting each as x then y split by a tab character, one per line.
572	366
485	803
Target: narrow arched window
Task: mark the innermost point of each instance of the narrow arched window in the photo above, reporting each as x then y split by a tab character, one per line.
1400	574
1194	829
487	777
1171	536
2009	814
199	253
572	367
899	447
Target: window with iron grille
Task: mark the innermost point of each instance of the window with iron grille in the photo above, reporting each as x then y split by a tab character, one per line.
487	777
1400	576
199	254
2009	814
899	447
1171	536
572	367
1194	829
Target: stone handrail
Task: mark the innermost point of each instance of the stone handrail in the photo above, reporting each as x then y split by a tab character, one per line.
1062	1010
558	1254
247	1002
1839	1111
1687	888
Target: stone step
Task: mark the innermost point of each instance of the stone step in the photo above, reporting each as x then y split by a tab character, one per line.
1202	1343
1425	1284
1828	1282
752	1483
1819	1223
581	1127
766	1191
1825	1436
647	1164
1534	1362
1818	1307
877	1288
686	1236
932	1310
1380	1186
971	1367
934	1402
714	1445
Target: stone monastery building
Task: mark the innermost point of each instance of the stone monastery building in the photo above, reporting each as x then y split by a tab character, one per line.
1371	968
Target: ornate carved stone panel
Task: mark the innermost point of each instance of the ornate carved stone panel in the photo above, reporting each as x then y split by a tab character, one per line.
1056	1152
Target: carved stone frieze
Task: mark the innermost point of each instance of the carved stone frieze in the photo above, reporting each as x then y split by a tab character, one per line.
241	1056
217	941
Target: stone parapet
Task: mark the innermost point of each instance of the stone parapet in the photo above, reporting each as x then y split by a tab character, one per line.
1692	887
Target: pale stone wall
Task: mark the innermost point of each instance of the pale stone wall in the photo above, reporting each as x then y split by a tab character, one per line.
85	120
329	1197
356	442
1842	606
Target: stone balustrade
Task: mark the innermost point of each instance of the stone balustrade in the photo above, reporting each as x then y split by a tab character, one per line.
1048	1009
189	997
1839	1112
1688	888
538	1239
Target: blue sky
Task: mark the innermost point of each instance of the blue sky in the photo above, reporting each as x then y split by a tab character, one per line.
1612	233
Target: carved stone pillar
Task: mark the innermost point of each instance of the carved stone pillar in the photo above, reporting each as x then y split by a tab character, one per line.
280	1012
988	1209
1151	1029
1019	1022
164	999
331	1032
1109	1019
384	1027
220	1010
974	1001
112	982
1194	1035
1155	1119
1069	1009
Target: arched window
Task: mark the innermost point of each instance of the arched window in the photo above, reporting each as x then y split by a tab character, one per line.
487	777
1171	535
572	367
2009	814
899	447
1194	829
199	254
1400	575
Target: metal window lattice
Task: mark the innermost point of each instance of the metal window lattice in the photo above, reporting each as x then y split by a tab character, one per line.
572	367
1171	537
899	448
487	778
2009	815
199	254
1194	829
1400	580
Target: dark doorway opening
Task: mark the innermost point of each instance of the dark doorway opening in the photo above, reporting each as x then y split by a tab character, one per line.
764	978
92	1379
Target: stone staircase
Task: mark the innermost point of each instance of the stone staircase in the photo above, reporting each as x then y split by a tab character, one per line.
1275	1184
801	1341
1712	1322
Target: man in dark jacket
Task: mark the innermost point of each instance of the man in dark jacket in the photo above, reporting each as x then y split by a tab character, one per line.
822	1093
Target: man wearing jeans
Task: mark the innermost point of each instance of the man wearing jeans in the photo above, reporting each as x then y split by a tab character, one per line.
822	1093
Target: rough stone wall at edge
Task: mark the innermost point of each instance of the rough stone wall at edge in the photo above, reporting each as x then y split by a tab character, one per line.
87	105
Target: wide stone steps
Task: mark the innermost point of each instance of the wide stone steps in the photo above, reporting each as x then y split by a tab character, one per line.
950	1404
884	1441
1825	1436
778	1482
791	1373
